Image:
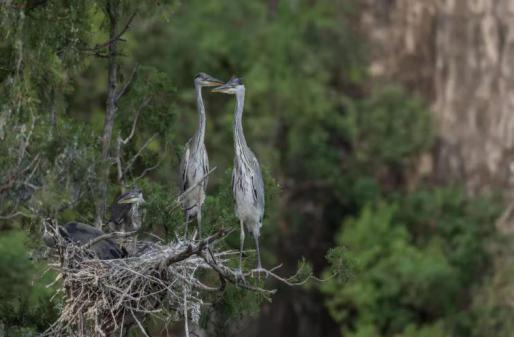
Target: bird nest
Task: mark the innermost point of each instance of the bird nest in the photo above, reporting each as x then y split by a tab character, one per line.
168	281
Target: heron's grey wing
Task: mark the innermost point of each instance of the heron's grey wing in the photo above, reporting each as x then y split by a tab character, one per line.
257	183
205	167
236	175
183	181
80	232
258	190
233	178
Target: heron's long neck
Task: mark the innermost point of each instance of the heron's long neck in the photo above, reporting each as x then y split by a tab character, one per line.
200	131
239	137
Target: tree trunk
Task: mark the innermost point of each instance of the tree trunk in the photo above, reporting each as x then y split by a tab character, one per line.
110	110
459	55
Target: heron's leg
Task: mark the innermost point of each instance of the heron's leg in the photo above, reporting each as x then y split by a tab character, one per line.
186	224
242	242
199	221
186	325
256	237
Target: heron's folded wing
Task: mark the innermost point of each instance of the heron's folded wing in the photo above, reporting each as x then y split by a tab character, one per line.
184	163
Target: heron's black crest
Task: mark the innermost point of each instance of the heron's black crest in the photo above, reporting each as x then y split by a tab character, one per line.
235	81
132	192
201	76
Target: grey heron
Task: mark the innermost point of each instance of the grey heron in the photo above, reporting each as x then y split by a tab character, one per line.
194	165
247	183
125	213
80	233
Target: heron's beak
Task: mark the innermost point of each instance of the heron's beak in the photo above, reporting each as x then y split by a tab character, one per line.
222	88
128	200
131	199
212	82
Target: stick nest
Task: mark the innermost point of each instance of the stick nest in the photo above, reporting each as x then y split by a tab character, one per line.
163	280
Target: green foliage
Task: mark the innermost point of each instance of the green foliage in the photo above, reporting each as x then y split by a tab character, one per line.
388	127
160	211
239	303
430	330
24	299
155	87
404	283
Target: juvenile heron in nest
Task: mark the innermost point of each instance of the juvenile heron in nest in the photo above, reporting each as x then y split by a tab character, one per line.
125	212
247	183
194	165
81	234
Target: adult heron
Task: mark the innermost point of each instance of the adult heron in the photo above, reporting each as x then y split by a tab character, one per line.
81	234
125	212
194	165
247	183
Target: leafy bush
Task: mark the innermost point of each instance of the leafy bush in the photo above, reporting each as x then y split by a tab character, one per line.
417	260
24	297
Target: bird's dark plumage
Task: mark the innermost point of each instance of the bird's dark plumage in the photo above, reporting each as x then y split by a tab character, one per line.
80	233
124	212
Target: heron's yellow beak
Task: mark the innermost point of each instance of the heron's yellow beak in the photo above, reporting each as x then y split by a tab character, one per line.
132	199
222	88
128	200
213	82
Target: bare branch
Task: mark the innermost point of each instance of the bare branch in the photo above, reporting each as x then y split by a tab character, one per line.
16	214
195	249
139	324
25	143
148	169
118	160
126	85
227	274
145	102
133	159
114	38
18	173
289	281
35	163
121	142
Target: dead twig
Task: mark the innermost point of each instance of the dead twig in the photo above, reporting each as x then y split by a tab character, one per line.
133	159
127	84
